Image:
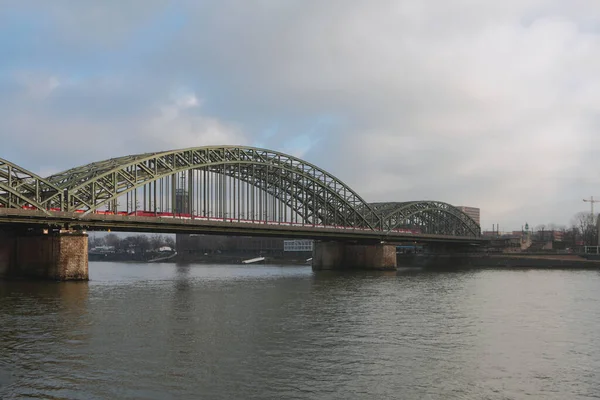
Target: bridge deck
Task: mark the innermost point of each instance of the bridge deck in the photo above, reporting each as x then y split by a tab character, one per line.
100	222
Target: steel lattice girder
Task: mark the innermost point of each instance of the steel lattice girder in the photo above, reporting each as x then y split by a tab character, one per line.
432	217
326	197
21	188
292	190
306	189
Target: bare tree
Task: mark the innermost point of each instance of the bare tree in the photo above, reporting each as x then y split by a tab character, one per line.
95	241
169	241
138	243
586	227
112	240
157	241
141	243
540	228
539	235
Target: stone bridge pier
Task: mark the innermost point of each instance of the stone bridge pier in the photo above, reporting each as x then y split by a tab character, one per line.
57	256
347	255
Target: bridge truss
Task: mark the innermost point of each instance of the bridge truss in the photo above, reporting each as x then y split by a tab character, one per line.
21	188
223	183
431	217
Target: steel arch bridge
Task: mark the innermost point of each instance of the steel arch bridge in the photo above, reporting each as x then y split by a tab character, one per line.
223	183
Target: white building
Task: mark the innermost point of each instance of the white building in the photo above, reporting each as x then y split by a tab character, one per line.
104	249
298	245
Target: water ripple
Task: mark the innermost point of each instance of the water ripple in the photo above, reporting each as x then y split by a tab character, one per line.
261	332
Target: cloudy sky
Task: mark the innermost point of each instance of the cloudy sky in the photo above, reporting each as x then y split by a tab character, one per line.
494	104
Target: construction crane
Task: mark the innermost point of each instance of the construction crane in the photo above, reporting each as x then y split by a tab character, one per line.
591	201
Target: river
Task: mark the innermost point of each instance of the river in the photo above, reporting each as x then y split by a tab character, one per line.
161	331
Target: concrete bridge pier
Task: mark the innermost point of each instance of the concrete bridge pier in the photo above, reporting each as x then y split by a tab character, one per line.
56	256
345	255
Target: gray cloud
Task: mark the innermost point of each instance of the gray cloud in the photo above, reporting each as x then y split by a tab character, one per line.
488	104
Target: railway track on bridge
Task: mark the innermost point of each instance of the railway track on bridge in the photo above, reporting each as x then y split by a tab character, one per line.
102	222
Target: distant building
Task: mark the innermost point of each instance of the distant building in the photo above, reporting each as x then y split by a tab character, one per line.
297	245
496	234
472	212
182	205
502	234
551	235
103	249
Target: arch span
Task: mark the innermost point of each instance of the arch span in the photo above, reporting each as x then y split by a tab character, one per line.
22	188
235	183
430	217
275	186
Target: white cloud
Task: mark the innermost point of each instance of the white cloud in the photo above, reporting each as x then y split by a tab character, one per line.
37	86
491	104
437	106
56	136
177	125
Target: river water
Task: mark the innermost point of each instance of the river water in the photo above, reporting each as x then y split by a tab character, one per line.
153	331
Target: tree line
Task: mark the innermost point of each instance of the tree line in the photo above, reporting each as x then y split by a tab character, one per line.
137	243
583	230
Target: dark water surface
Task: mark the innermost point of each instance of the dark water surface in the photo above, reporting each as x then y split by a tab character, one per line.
263	332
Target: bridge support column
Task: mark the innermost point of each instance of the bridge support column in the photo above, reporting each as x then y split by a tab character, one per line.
339	255
54	256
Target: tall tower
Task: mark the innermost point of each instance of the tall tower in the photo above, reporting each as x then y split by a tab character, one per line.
598	228
182	201
182	204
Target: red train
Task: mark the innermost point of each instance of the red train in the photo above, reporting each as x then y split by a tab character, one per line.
152	214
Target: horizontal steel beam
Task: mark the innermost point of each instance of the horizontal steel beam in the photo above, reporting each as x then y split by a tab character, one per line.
174	225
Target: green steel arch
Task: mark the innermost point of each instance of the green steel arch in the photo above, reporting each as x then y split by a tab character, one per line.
275	186
20	188
308	190
430	217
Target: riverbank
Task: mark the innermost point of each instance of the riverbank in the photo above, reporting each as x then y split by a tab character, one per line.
195	259
237	259
476	260
133	257
471	260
